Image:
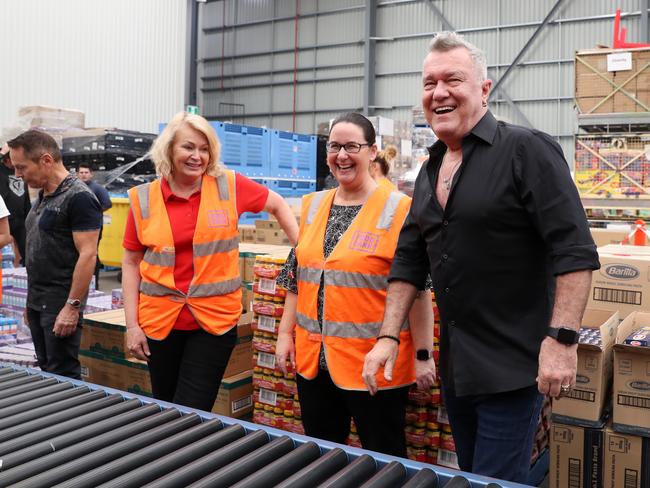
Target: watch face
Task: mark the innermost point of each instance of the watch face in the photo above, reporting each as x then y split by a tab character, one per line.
423	355
566	336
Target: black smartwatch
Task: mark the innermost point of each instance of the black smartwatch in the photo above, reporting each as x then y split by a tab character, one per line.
564	335
423	354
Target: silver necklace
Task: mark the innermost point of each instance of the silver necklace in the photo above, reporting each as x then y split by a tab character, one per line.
448	180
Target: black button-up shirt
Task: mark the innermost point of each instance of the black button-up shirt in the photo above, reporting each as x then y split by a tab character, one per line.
512	222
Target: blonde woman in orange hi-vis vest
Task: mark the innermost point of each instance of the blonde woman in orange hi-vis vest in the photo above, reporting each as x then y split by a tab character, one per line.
336	280
380	167
181	283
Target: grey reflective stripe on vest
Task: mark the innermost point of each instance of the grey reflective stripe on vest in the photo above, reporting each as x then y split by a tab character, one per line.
309	275
390	207
351	279
208	248
143	196
310	325
159	258
315	203
347	330
212	289
156	290
222	186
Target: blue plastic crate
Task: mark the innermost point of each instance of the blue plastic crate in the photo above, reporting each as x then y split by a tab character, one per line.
249	218
288	187
244	148
293	155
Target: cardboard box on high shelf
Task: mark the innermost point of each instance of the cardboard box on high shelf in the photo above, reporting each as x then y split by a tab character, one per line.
129	375
235	397
576	456
626	460
623	281
267	224
586	403
631	392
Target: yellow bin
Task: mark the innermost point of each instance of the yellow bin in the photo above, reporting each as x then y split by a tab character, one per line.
110	247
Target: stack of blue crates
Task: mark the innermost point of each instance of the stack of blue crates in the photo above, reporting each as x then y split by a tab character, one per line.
282	161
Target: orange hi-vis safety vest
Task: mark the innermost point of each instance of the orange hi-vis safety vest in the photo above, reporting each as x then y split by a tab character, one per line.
355	287
214	295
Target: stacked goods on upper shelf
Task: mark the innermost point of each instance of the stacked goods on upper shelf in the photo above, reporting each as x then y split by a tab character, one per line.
52	120
613	165
612	80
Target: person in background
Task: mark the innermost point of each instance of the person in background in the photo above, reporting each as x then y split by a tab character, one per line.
336	282
180	273
5	235
85	173
380	167
498	223
61	248
16	197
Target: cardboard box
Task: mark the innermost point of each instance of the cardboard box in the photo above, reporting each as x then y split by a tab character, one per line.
586	403
603	237
271	236
241	357
105	333
626	461
576	457
246	233
623	281
592	81
247	296
129	375
267	224
235	397
631	396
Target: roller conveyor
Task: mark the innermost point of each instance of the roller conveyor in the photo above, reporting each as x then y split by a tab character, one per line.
66	433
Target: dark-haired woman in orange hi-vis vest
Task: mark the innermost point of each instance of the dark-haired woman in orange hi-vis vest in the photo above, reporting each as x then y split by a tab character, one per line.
336	281
181	283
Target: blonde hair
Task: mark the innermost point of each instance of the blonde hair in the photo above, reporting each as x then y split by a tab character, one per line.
384	158
161	149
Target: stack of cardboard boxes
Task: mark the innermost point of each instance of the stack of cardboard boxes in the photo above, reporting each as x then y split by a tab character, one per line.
601	431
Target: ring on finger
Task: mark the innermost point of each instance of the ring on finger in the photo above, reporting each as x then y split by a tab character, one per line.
565	388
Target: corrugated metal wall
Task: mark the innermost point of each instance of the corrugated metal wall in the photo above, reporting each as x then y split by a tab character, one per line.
247	53
122	62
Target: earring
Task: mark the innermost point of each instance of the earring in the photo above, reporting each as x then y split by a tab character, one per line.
484	103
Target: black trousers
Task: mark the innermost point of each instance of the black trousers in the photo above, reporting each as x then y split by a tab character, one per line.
187	367
328	409
58	355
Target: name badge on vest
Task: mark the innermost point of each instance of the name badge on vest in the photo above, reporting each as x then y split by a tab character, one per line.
218	218
364	242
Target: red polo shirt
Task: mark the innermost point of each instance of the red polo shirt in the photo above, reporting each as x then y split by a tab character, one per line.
183	213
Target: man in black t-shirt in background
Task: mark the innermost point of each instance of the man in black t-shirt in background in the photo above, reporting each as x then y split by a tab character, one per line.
16	196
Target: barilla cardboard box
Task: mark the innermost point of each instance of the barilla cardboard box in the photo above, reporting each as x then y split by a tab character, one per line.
576	457
623	281
626	461
235	397
586	403
631	392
